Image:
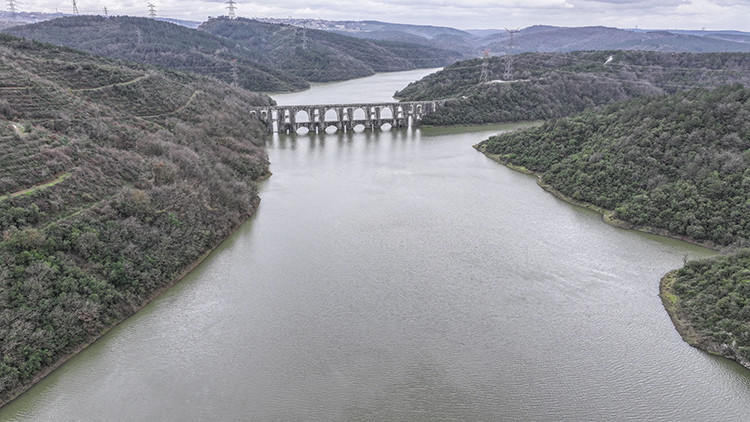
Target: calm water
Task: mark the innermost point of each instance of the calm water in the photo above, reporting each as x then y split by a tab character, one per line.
403	276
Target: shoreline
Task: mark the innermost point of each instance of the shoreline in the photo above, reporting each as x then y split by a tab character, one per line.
686	330
607	215
669	300
20	390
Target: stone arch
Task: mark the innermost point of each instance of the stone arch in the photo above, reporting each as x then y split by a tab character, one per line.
331	115
359	113
386	112
302	116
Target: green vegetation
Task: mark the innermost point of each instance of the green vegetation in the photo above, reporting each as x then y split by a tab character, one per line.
677	164
163	44
551	85
713	297
114	179
322	56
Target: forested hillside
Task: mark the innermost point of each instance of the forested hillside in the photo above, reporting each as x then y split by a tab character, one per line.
322	56
164	44
550	85
114	180
677	164
442	37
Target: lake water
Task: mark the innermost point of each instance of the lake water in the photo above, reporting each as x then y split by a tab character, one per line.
401	275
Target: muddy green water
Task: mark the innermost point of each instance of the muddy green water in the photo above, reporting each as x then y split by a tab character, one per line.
403	276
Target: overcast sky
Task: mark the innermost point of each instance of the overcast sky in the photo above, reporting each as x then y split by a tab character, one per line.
463	14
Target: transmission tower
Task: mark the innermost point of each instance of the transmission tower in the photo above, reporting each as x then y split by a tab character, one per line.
75	8
106	12
508	75
151	10
231	7
485	76
12	7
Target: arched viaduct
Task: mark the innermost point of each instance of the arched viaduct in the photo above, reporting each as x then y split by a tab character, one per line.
344	117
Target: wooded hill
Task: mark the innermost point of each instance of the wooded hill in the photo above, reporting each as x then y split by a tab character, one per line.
442	37
677	164
550	85
321	56
163	44
537	38
114	179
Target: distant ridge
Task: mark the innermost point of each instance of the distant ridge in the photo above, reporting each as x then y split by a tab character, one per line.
322	56
165	44
538	38
248	53
562	39
470	43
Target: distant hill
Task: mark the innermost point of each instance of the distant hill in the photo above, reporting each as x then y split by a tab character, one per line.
321	56
163	44
115	178
181	22
561	39
442	37
549	85
538	38
8	19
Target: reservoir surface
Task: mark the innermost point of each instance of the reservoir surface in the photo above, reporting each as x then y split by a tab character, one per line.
402	276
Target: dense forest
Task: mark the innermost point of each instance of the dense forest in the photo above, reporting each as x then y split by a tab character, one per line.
321	56
114	180
675	164
710	301
163	44
551	85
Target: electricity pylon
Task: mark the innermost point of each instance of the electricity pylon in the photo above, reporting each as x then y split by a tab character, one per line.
231	7
484	77
12	7
508	75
